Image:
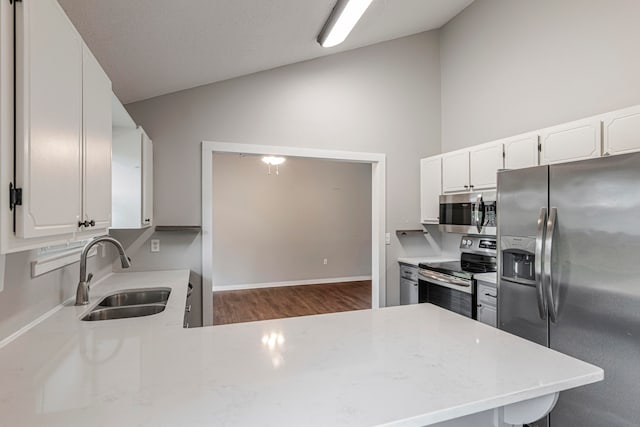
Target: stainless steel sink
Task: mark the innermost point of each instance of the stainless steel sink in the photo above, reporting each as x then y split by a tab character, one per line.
136	297
130	303
110	313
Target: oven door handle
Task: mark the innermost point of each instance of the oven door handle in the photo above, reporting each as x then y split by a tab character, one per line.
447	281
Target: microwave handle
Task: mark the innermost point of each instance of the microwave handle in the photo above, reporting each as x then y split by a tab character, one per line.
479	213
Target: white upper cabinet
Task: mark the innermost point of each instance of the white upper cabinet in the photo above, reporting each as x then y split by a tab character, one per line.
473	169
521	151
147	180
430	189
97	144
48	120
63	131
484	162
621	131
132	178
455	172
571	141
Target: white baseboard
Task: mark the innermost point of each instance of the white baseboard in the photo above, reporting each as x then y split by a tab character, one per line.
220	288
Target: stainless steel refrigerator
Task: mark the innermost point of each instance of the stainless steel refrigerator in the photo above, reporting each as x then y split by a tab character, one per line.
569	277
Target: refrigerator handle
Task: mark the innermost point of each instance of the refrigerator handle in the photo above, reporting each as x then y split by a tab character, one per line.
540	237
548	272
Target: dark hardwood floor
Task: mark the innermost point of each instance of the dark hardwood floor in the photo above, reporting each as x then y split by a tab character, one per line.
289	301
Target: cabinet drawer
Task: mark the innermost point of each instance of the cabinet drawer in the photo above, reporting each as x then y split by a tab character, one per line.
487	295
409	272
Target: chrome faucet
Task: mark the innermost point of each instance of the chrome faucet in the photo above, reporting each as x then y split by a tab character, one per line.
82	293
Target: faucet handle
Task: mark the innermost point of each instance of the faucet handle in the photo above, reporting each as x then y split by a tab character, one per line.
89	277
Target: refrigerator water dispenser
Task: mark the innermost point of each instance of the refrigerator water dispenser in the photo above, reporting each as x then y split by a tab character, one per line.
518	259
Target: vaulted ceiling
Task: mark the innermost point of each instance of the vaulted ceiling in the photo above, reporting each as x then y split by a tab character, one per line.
154	47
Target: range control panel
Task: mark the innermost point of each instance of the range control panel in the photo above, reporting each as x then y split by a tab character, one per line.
480	244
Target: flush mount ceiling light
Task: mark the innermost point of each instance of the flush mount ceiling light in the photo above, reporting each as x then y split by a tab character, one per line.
274	161
344	16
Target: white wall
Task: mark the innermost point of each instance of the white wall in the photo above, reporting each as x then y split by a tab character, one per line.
383	98
280	228
511	66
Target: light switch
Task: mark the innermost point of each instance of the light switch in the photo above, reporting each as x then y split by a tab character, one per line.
155	245
387	238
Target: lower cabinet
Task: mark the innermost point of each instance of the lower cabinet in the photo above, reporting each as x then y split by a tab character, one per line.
487	304
408	292
408	284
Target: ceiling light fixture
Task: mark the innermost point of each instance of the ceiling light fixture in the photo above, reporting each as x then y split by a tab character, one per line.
344	16
274	161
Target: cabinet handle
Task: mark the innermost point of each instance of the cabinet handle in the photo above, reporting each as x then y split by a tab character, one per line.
147	220
466	186
92	223
187	309
489	295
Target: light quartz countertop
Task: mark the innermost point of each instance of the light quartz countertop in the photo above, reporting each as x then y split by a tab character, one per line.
417	260
487	277
405	366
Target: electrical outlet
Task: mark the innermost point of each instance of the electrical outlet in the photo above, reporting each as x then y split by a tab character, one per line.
387	238
155	245
326	261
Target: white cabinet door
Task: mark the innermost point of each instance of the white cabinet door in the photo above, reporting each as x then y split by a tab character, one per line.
430	189
622	131
484	163
455	172
521	151
132	178
49	120
408	292
147	180
488	315
97	144
571	141
127	178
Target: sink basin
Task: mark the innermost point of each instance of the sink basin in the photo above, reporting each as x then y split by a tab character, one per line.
109	313
130	303
136	297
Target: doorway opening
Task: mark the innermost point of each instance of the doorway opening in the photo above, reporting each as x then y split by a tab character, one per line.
264	289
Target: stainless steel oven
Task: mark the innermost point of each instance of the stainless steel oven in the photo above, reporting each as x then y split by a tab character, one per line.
455	294
469	213
451	284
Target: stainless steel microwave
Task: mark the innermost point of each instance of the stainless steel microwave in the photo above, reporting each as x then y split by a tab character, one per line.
469	213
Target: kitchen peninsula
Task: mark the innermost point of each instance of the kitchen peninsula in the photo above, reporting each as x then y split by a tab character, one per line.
412	365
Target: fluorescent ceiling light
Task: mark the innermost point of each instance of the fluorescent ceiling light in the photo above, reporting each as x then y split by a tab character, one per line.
343	18
273	161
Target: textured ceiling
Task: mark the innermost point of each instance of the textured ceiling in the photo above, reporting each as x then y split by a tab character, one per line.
153	47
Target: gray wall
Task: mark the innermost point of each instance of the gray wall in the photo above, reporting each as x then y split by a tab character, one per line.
511	66
280	228
25	299
383	98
